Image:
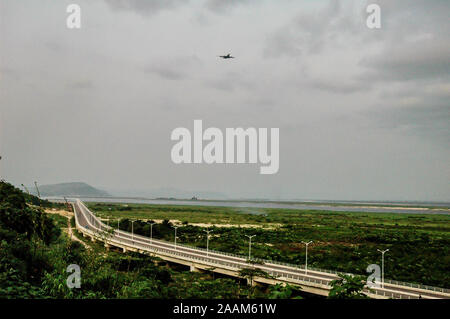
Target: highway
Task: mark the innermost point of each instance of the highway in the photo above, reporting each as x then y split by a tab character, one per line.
311	280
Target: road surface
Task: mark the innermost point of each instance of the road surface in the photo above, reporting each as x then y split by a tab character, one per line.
88	221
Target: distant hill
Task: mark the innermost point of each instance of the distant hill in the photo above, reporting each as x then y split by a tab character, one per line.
70	189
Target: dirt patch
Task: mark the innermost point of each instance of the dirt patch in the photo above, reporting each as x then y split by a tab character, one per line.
68	230
266	226
64	213
179	222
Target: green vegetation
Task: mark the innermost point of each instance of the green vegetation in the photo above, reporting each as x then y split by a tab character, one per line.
25	233
347	287
342	241
34	256
34	253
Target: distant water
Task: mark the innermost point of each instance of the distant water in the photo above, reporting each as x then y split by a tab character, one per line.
294	205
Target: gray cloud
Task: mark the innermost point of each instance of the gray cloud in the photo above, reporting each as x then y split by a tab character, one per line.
82	85
308	33
166	72
421	111
341	87
415	42
411	54
144	7
176	68
220	6
426	121
363	114
425	59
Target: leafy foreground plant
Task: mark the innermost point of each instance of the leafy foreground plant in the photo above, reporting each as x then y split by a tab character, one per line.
347	287
280	291
34	256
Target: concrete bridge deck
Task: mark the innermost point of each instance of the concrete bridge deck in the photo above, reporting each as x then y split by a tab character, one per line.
311	281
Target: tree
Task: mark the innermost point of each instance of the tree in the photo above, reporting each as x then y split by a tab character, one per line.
249	274
280	291
347	287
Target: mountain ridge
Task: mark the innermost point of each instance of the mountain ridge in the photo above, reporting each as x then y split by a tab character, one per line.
70	189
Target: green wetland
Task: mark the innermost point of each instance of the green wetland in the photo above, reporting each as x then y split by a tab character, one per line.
342	241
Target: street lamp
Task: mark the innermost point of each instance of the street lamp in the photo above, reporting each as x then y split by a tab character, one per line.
250	245
118	227
175	227
24	187
306	262
151	232
91	217
37	190
132	230
207	241
38	193
382	265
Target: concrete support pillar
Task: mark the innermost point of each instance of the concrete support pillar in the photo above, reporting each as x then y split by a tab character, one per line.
93	239
107	246
252	283
194	269
124	249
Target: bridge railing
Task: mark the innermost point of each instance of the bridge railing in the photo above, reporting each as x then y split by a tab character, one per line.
295	266
237	265
418	286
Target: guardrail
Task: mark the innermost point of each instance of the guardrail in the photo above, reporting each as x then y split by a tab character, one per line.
418	286
206	260
265	261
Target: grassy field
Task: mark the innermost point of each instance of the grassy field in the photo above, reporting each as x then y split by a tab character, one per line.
342	241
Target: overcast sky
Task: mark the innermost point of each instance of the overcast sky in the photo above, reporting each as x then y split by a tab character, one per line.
363	114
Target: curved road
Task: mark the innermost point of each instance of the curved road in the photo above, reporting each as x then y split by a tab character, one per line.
85	218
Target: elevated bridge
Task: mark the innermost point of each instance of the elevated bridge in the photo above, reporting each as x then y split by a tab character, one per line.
312	281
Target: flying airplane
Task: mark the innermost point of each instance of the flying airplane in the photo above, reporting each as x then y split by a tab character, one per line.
228	56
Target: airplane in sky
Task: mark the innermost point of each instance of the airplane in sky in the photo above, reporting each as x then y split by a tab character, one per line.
228	56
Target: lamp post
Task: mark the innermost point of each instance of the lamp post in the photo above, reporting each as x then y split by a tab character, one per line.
175	227
38	193
25	188
250	245
91	217
306	261
118	227
207	241
132	230
37	190
382	265
151	232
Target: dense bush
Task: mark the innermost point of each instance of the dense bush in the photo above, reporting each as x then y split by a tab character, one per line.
34	259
